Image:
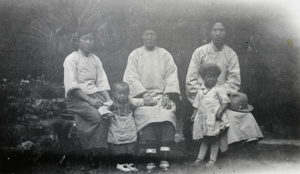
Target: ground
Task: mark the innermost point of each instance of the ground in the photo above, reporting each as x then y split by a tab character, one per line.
248	158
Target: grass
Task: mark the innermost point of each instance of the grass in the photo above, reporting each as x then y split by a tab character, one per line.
249	158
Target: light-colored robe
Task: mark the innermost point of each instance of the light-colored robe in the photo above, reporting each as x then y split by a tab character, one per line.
208	101
242	126
85	73
230	79
226	58
156	73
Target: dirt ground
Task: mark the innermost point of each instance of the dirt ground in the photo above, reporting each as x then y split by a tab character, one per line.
249	158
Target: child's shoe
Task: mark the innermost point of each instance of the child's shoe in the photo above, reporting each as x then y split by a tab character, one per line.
123	167
132	167
164	165
198	163
210	164
150	167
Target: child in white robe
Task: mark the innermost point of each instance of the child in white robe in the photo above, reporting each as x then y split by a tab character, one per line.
209	121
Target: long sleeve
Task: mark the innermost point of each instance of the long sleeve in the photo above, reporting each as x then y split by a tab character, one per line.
131	76
192	84
197	99
70	81
172	82
105	108
222	95
233	81
101	81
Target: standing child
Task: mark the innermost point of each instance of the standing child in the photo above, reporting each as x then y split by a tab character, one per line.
122	134
210	104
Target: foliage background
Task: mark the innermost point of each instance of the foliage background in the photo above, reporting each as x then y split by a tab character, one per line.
35	38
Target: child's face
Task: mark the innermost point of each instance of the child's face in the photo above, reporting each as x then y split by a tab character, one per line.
121	94
86	43
210	80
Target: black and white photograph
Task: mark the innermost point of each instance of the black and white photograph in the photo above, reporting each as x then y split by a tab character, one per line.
149	86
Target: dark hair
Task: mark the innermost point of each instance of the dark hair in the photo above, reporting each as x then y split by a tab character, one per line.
210	68
217	21
81	31
224	22
119	84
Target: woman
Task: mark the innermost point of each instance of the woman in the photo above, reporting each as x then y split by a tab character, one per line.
86	88
218	53
152	75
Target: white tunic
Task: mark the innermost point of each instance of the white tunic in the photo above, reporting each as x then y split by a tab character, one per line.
155	72
85	73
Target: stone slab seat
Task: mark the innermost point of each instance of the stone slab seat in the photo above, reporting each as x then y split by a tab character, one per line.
65	130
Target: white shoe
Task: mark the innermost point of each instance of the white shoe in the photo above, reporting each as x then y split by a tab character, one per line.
150	167
123	167
132	167
164	165
210	164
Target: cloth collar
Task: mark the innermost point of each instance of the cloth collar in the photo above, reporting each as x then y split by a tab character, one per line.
214	48
148	49
81	53
203	87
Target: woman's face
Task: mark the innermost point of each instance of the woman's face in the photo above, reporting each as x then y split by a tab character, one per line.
218	34
149	39
210	80
86	43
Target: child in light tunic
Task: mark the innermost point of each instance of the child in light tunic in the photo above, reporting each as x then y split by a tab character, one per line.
210	104
122	134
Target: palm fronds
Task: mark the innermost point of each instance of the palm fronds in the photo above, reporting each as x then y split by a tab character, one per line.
53	29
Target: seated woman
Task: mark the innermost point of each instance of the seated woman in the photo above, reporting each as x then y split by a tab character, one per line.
219	53
86	88
152	75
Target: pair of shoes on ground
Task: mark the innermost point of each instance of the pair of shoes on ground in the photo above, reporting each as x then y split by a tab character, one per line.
201	163
127	167
163	165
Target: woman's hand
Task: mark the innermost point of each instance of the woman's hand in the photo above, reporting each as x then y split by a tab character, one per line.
108	116
148	100
95	103
166	102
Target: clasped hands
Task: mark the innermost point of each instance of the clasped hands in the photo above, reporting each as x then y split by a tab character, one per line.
165	101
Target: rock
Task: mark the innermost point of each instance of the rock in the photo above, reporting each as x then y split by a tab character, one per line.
27	145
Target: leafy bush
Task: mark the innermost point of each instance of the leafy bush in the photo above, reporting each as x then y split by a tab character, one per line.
29	118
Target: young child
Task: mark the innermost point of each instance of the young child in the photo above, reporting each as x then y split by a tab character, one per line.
122	134
210	104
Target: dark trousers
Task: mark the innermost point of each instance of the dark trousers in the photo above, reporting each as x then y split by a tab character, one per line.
155	135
